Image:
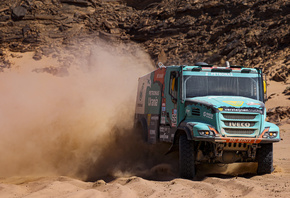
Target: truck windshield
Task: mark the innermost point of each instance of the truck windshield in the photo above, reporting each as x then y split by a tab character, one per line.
221	86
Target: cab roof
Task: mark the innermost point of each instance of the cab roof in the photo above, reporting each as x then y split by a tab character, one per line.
211	68
205	67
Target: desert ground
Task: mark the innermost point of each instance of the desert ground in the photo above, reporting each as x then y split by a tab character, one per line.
217	184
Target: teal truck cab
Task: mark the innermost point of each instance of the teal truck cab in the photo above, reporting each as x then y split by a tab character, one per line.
210	114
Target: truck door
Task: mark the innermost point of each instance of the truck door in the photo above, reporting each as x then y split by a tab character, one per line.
169	109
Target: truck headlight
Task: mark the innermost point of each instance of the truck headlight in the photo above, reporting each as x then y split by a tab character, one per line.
270	134
206	133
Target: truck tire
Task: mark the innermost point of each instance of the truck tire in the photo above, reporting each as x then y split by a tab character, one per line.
186	158
265	159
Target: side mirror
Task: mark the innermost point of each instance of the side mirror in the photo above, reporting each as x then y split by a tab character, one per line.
173	91
173	84
265	86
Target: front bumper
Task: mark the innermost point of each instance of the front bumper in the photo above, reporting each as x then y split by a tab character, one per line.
218	137
236	139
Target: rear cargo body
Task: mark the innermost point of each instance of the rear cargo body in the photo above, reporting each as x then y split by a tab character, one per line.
218	113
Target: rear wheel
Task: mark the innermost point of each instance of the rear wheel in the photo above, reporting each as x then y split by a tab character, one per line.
186	158
265	159
141	129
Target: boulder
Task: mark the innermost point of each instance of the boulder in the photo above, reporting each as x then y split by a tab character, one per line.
287	91
18	13
37	56
279	77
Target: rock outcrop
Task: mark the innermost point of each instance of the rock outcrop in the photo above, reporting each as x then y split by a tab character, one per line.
243	32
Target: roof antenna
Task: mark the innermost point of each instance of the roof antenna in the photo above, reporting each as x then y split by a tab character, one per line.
228	64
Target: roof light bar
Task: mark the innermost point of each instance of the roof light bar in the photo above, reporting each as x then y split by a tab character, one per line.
221	70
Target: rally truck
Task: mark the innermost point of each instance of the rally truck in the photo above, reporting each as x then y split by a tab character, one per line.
210	114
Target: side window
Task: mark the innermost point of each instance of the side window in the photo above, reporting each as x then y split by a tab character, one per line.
173	86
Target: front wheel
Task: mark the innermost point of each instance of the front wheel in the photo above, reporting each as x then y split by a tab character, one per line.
186	158
265	159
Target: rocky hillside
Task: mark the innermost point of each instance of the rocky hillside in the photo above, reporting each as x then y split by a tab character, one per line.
175	31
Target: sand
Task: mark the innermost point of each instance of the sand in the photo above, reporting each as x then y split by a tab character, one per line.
276	184
162	181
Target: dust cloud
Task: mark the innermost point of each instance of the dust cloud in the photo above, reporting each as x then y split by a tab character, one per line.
227	170
71	125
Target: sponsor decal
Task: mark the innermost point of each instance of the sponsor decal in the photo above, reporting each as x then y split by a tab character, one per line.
149	82
154	93
163	102
159	75
152	132
243	140
240	140
174	118
162	120
164	136
253	103
143	84
221	74
239	124
154	118
252	110
208	115
163	111
164	133
141	92
234	103
152	102
164	129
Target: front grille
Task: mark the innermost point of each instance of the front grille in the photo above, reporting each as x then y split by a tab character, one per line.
240	131
239	116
